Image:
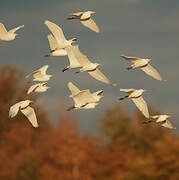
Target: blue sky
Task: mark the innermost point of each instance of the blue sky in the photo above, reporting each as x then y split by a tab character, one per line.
140	28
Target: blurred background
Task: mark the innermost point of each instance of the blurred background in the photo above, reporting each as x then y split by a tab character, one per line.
109	142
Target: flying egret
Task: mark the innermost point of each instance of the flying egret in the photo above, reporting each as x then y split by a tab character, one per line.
84	99
28	111
55	51
40	74
85	19
8	35
144	65
80	60
161	120
136	96
59	36
40	87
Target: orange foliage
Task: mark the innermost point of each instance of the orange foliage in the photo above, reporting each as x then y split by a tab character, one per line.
129	150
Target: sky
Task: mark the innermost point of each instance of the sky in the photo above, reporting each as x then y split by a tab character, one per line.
142	28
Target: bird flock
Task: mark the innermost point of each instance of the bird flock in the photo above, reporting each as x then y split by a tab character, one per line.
83	99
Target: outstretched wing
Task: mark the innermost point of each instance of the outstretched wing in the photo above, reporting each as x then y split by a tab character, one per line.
15	29
152	72
71	52
77	14
38	73
127	90
168	124
32	88
30	114
81	58
83	97
97	74
2	29
130	58
74	90
141	105
14	110
57	32
90	24
52	42
43	69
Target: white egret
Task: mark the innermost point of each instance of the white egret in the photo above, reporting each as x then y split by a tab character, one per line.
84	99
161	120
144	65
40	87
80	60
40	74
136	96
55	51
59	36
85	19
8	35
28	111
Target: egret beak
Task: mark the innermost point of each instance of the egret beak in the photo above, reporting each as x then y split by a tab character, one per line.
74	39
100	92
145	90
93	12
51	75
16	34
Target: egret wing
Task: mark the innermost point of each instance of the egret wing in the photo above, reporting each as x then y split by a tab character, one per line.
56	31
168	124
74	90
90	24
141	105
71	52
38	73
154	117
2	29
97	74
82	98
152	72
32	88
15	29
43	69
14	110
127	90
130	58
30	114
81	58
52	42
77	14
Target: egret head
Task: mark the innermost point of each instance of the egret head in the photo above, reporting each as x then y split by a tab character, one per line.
92	12
149	60
98	64
168	116
30	101
98	95
50	75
